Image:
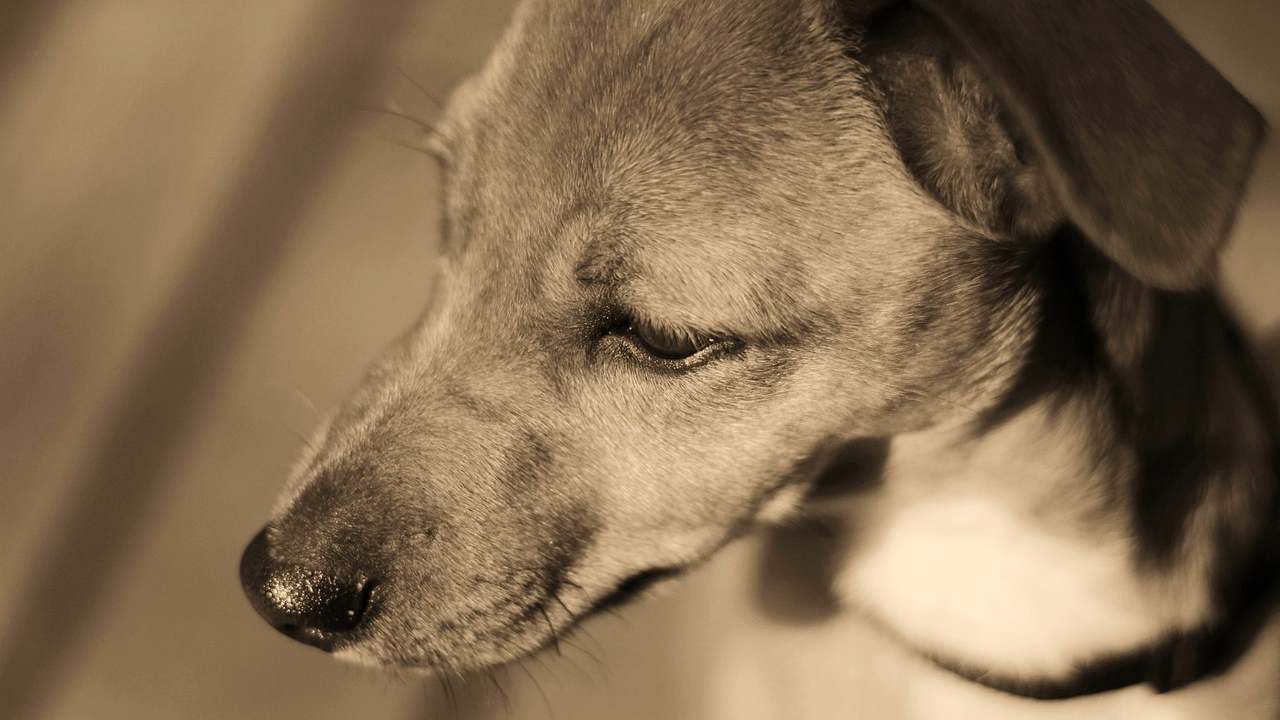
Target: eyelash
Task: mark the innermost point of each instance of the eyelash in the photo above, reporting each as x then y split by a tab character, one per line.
643	343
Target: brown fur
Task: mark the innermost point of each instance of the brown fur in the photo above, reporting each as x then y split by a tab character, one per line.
843	194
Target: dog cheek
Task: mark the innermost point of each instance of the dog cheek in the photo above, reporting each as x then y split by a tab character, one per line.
671	504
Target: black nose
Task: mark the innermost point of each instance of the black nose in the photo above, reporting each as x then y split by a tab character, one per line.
306	603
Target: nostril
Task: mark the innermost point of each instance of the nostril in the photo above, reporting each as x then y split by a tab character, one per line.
303	602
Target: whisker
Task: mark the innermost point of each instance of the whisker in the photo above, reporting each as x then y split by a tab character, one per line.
545	700
555	638
306	439
599	646
443	679
421	150
429	697
421	88
590	655
590	678
306	400
572	584
542	665
423	125
506	701
555	595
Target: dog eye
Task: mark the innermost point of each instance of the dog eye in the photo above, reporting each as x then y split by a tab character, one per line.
666	344
665	349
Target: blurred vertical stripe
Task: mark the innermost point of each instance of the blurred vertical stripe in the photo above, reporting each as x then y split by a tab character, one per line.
334	53
22	25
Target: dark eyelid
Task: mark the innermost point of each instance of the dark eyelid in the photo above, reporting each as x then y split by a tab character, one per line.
668	344
638	356
616	331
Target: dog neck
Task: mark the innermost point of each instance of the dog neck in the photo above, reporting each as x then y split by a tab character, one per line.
1111	521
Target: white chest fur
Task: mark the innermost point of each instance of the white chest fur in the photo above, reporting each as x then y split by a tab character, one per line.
760	669
1003	553
962	576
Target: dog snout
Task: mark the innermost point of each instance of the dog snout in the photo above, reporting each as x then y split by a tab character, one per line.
314	605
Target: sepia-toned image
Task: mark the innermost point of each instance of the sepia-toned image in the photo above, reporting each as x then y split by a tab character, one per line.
640	359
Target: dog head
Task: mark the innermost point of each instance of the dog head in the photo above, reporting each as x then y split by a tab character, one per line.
691	248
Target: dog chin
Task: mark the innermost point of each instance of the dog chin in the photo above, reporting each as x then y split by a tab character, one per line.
365	658
425	667
521	647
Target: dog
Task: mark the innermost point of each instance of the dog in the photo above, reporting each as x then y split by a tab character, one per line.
943	269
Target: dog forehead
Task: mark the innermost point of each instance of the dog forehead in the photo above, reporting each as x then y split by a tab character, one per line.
707	135
664	106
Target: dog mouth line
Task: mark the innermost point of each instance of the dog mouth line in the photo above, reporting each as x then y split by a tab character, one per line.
539	614
627	590
631	588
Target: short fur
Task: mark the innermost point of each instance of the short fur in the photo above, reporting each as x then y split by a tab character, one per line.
914	243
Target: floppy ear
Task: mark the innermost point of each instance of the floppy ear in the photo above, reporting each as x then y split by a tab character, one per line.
1133	136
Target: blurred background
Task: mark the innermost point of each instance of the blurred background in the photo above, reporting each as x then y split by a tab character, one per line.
204	237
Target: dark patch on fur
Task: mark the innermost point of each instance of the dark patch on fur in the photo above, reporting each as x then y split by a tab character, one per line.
1247	577
456	395
961	328
600	264
1065	353
1183	395
1160	369
528	463
1169	415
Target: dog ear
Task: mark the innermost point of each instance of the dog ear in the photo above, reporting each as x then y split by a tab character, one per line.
1020	113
